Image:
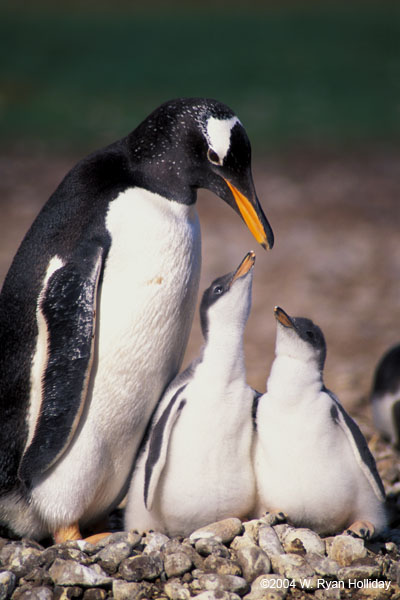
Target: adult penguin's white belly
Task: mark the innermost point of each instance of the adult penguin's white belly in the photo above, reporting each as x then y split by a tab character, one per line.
143	322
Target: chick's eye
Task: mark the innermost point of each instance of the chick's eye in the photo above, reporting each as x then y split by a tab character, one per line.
218	290
213	157
310	335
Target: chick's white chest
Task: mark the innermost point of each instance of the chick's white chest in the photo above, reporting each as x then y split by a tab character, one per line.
209	457
316	466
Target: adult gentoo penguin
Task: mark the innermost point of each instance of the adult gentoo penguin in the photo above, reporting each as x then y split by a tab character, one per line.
385	395
196	466
97	306
311	460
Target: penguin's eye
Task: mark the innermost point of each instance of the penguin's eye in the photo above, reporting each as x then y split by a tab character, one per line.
213	157
218	290
310	335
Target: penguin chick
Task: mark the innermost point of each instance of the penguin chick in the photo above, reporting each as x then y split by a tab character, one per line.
96	310
195	467
385	396
311	460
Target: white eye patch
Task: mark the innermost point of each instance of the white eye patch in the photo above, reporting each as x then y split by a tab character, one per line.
219	135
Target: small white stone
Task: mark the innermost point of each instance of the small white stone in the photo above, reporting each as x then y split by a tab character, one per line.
292	566
69	572
176	591
176	564
269	541
310	540
345	549
225	530
253	562
268	587
252	527
154	541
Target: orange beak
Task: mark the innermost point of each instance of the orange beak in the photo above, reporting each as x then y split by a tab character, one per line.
245	266
254	219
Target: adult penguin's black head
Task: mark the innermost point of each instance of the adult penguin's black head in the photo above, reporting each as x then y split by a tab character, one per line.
192	143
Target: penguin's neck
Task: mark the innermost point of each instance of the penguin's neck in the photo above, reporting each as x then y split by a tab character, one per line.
223	355
291	378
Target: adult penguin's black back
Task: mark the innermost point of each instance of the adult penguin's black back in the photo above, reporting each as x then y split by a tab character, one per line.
96	310
59	230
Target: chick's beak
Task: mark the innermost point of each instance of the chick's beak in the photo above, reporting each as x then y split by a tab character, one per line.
282	317
245	266
253	215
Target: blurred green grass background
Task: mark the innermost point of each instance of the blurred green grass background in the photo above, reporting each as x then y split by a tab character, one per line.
78	75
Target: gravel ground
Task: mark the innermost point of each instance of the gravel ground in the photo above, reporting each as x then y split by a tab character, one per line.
337	261
227	560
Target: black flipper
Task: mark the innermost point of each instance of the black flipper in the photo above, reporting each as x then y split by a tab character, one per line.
254	409
156	441
158	446
358	444
68	306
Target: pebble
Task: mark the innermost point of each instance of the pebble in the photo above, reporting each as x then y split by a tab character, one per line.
346	549
221	565
292	566
310	541
281	529
222	583
207	546
394	572
175	546
322	565
154	541
251	528
38	593
329	594
19	558
379	594
227	560
390	547
176	591
95	594
194	556
67	593
121	590
253	561
268	587
211	595
176	564
269	541
66	553
7	584
359	572
112	555
128	537
143	566
223	531
69	572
